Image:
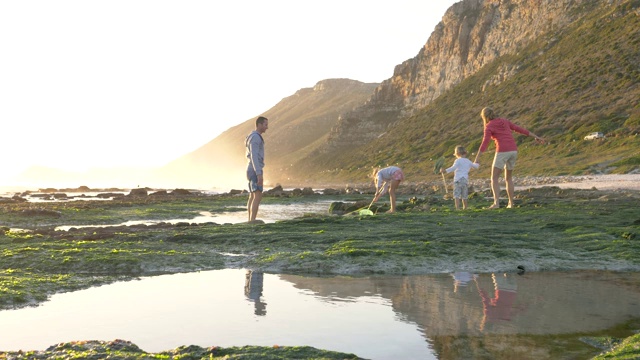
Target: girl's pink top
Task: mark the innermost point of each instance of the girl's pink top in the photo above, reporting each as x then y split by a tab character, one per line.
499	130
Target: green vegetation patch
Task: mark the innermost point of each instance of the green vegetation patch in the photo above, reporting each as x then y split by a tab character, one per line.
549	229
120	349
628	348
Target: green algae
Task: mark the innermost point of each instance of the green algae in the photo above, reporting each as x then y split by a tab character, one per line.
120	349
625	349
550	229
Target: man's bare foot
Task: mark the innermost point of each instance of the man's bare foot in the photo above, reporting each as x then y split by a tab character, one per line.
494	206
510	206
390	211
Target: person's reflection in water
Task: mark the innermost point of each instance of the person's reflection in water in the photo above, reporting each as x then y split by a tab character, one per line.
500	307
461	279
253	291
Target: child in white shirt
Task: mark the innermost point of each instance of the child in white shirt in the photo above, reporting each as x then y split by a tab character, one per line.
461	166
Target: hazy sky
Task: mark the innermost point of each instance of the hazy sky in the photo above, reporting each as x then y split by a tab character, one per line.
87	84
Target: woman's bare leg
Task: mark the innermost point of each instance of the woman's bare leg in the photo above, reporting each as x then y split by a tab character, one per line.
495	187
508	178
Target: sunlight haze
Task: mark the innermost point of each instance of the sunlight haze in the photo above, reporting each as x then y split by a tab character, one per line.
100	84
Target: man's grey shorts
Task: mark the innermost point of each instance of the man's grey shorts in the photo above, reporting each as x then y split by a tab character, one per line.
253	181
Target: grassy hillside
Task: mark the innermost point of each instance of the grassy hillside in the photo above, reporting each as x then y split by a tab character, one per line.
578	79
297	125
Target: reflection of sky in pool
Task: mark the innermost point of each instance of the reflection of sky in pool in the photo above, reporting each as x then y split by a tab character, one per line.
211	308
378	317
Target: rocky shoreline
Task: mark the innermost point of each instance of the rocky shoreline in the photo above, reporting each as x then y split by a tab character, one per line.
600	182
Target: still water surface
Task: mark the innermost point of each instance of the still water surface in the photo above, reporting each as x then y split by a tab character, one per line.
268	213
390	317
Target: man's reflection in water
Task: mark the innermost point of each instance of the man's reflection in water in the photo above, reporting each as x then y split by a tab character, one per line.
253	291
500	307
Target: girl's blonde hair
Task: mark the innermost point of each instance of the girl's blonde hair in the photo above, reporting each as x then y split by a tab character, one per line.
374	175
460	150
487	115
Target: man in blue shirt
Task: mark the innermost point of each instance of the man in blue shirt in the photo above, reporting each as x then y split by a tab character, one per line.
255	157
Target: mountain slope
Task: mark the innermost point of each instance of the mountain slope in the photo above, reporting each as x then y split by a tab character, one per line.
579	76
297	125
562	68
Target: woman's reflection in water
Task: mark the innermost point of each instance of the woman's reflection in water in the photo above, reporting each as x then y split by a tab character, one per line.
501	306
253	291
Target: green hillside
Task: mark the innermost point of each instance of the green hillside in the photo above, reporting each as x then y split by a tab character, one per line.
581	78
298	124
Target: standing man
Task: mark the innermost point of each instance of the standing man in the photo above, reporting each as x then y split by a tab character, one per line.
255	156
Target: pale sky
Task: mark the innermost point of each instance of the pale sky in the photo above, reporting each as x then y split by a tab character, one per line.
94	84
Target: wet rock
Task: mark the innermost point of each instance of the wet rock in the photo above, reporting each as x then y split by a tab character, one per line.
109	195
275	191
335	192
342	208
337	208
308	191
138	192
48	190
104	347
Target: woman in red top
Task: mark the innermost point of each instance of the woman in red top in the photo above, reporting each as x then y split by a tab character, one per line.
500	131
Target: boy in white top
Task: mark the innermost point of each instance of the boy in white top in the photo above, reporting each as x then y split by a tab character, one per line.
461	166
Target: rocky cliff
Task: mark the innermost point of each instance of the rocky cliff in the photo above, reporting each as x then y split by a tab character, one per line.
472	34
560	68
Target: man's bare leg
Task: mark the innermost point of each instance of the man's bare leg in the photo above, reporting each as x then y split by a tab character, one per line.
249	202
253	204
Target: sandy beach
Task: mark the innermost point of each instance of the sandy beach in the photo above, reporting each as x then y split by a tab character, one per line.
600	182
